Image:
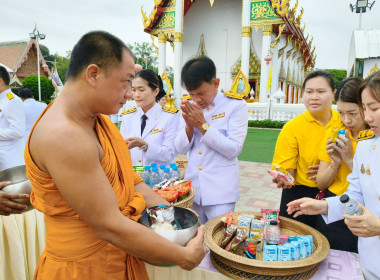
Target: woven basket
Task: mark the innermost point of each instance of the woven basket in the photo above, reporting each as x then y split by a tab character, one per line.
238	267
188	201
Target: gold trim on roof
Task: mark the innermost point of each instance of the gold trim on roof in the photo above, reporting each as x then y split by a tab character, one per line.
281	7
298	19
178	37
246	31
267	30
162	38
275	42
281	51
148	20
289	52
154	44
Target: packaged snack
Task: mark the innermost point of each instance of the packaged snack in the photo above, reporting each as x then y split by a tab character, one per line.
283	253
239	238
227	236
239	250
270	253
244	223
293	238
170	196
284	239
270	214
311	242
294	252
250	247
257	229
307	244
302	249
281	175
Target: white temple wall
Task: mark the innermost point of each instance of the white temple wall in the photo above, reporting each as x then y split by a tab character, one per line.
221	27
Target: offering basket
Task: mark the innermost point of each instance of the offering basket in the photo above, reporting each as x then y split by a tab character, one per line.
239	267
188	201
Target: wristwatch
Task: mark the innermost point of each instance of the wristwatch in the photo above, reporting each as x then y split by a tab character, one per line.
144	147
205	126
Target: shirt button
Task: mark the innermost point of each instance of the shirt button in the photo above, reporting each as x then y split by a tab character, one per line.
139	160
200	167
200	152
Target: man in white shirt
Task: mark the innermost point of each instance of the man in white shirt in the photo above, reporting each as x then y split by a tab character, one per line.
33	109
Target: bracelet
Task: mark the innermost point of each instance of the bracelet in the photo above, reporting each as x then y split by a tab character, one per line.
332	166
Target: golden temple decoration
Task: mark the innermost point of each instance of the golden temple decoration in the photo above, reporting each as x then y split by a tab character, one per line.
159	2
146	20
154	44
169	106
301	57
294	9
307	38
240	87
281	51
166	84
374	69
162	38
288	75
312	52
172	45
292	12
267	30
289	52
311	41
281	6
202	47
275	42
298	19
303	28
178	37
246	31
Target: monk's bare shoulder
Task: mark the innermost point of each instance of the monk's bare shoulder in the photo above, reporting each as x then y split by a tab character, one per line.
61	140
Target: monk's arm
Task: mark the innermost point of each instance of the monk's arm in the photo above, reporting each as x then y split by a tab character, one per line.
74	164
151	198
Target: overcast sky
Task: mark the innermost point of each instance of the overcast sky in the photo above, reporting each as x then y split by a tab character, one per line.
65	21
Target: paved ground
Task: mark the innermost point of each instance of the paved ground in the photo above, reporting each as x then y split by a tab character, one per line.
256	188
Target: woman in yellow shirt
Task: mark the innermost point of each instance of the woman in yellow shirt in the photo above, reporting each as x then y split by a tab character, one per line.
299	142
336	161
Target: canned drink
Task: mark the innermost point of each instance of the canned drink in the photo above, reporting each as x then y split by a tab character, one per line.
250	247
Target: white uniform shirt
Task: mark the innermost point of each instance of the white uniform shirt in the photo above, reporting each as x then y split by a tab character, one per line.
12	130
365	189
159	133
33	110
213	165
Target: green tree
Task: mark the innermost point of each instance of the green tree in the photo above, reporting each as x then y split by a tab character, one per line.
145	55
62	65
338	75
47	89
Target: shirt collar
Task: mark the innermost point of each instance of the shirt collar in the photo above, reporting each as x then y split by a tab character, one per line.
334	117
151	112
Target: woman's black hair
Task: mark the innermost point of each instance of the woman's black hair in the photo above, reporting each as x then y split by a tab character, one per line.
319	73
154	81
348	90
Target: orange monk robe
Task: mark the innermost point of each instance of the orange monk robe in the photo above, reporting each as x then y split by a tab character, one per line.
73	251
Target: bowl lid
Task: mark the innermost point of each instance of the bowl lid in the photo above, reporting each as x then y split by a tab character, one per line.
15	174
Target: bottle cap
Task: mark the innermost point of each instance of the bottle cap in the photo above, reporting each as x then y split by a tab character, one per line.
147	167
344	198
153	164
273	223
175	167
155	169
172	165
162	166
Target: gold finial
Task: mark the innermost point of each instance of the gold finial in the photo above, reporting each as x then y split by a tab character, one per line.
294	9
303	28
298	19
145	18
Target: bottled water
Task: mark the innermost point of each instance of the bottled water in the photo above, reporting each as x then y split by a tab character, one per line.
154	177
153	164
145	175
349	206
172	165
162	172
273	233
175	172
167	173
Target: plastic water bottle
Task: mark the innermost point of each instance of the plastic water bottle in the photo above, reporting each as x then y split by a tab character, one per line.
145	175
172	165
349	206
162	172
153	164
175	172
273	233
154	177
167	174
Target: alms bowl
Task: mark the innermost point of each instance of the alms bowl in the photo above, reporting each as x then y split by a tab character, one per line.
19	182
188	221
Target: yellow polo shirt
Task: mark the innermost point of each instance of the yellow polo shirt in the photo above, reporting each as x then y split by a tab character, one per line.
299	142
340	184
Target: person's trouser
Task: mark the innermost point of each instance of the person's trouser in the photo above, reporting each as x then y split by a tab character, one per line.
296	192
208	212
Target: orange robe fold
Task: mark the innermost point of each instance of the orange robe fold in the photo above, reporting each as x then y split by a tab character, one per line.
73	251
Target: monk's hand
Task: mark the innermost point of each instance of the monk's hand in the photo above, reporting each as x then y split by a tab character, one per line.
7	205
192	114
312	172
307	206
195	251
133	142
365	225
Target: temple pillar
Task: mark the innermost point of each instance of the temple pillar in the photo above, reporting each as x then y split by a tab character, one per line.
162	53
246	37
265	50
178	38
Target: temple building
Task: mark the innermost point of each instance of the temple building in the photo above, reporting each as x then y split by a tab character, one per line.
262	40
20	57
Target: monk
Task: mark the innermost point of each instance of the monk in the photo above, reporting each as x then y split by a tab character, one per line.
83	179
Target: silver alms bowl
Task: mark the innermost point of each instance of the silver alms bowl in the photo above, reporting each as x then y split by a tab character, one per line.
20	183
189	223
